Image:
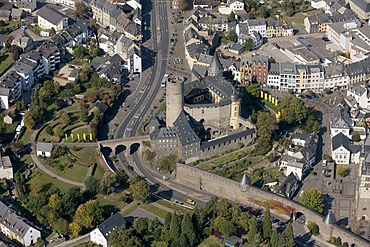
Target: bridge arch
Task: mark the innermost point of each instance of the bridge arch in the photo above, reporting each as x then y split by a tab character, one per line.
134	147
119	149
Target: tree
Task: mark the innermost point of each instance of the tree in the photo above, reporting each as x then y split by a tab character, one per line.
231	17
79	52
267	225
266	125
149	155
293	110
226	227
141	226
188	229
52	32
232	36
140	189
91	185
60	226
288	236
264	12
175	227
16	52
313	227
248	44
312	198
274	242
107	183
40	242
80	9
311	125
122	237
84	113
338	242
341	170
65	118
253	230
182	4
89	214
356	138
168	163
75	229
58	131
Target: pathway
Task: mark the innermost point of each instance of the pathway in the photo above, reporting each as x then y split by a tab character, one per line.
43	168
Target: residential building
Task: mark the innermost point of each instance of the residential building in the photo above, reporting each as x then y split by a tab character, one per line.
5	11
210	21
48	18
343	152
4	97
50	56
205	4
17	228
339	33
254	69
289	187
27	74
6	168
277	28
361	8
233	241
113	70
360	94
257	25
44	149
242	30
336	77
100	235
231	6
340	121
318	23
3	40
26	5
8	119
12	81
297	77
300	54
300	157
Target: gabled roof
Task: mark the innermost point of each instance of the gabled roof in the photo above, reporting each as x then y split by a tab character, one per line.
216	67
44	147
340	140
185	132
51	15
100	106
112	223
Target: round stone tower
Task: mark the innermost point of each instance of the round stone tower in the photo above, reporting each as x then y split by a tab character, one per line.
235	109
174	100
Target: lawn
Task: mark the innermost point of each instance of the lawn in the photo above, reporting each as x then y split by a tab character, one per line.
130	210
154	210
46	179
112	199
26	136
299	17
5	62
219	161
79	132
172	206
74	166
211	241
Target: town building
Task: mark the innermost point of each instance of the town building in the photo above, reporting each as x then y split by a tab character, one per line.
100	235
254	69
11	84
340	121
257	25
44	149
343	152
361	8
363	212
205	4
6	168
49	18
289	187
231	6
26	5
113	70
17	228
277	28
301	156
242	30
360	93
319	23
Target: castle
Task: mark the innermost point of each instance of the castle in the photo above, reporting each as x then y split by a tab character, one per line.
202	117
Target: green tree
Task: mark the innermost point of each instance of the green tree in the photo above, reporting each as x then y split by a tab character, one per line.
312	198
356	138
338	242
60	226
64	117
248	44
288	236
253	230
79	52
80	9
168	163
75	229
231	17
58	131
52	32
84	113
227	228
89	214
140	189
40	242
175	227
140	225
266	125
341	170
293	110
188	229
223	208
107	183
311	125
264	12
232	36
274	242
267	225
91	185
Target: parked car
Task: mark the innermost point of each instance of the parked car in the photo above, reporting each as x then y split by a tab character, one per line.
190	201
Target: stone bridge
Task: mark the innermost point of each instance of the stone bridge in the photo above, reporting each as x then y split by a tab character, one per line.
129	144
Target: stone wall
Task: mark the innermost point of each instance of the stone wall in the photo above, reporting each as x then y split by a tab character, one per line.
230	189
215	116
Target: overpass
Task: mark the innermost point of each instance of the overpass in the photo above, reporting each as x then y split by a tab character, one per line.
125	143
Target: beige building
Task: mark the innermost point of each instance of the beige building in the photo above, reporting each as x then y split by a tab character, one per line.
361	8
6	168
8	119
48	18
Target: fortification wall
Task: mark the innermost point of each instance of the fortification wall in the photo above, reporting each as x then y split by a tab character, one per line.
230	189
216	116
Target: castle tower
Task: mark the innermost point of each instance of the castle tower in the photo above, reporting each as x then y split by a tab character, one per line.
216	67
245	182
235	109
174	100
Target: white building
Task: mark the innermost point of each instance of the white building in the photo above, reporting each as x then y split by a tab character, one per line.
257	25
6	168
101	234
16	228
360	94
340	121
48	18
231	6
44	149
343	152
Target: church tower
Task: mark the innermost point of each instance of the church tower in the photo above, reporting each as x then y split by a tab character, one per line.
216	67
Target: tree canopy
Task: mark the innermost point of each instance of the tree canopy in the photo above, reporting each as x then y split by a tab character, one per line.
313	198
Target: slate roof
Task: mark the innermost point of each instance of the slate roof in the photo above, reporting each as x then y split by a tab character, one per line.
3	38
45	147
330	218
164	133
195	49
113	68
362	4
100	106
285	188
215	67
111	224
245	180
4	91
358	90
10	79
225	139
340	117
185	132
51	15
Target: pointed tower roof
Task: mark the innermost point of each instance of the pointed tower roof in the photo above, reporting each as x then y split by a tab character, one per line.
330	218
216	67
245	180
